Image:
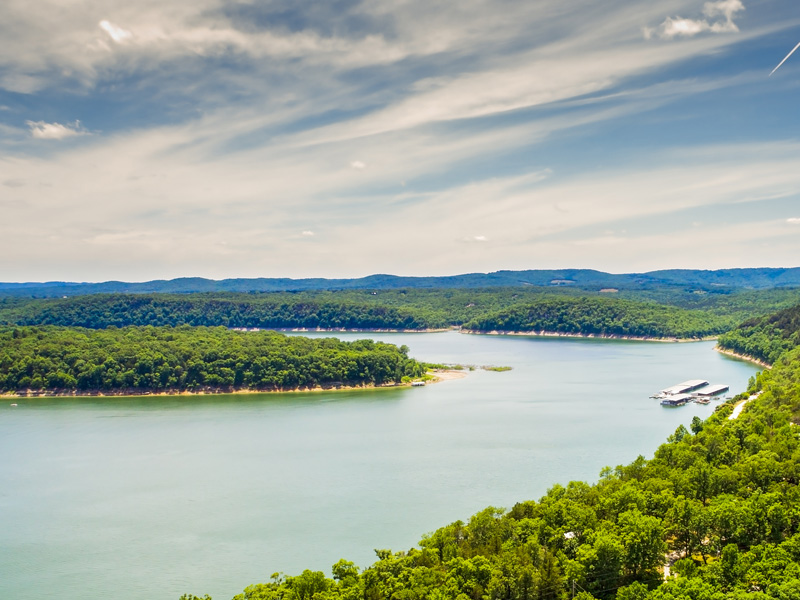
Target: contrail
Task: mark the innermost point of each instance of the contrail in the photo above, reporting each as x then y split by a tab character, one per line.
785	59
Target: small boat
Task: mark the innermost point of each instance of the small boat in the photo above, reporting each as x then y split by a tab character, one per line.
14	404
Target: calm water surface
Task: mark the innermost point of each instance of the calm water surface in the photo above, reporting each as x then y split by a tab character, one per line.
151	498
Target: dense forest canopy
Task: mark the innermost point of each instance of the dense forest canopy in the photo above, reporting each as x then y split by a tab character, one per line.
765	338
601	316
137	359
239	310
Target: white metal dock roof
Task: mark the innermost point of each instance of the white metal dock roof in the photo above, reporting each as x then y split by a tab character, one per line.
713	390
686	386
695	383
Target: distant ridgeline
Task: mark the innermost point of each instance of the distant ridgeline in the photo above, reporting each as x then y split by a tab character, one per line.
153	359
765	338
717	504
655	313
583	278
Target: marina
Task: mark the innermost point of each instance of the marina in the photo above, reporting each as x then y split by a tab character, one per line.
693	390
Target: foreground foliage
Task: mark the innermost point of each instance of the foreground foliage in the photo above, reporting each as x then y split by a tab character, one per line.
186	358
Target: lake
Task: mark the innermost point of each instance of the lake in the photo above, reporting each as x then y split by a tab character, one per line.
146	498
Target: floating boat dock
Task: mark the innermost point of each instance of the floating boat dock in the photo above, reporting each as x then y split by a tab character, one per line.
693	390
685	387
712	390
676	400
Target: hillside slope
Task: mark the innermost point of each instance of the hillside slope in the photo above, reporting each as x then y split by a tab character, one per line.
765	338
600	316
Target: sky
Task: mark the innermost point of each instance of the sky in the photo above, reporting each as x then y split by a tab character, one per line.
155	139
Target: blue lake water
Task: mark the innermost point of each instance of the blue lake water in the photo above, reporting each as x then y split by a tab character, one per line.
145	498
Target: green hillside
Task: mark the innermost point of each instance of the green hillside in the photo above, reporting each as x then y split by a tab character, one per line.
413	309
765	338
599	316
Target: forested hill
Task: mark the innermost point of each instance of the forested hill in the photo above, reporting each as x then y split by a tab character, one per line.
661	312
765	338
599	316
585	278
229	310
719	501
147	359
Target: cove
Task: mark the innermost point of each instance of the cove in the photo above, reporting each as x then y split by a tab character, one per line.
153	497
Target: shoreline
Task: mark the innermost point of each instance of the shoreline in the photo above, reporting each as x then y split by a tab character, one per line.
438	375
744	357
338	330
447	375
602	336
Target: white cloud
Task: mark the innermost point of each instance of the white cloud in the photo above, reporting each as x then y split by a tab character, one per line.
793	220
681	27
480	238
54	131
671	28
723	8
357	164
308	233
117	34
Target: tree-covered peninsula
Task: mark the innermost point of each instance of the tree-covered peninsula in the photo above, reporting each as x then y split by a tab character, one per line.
600	316
713	515
165	359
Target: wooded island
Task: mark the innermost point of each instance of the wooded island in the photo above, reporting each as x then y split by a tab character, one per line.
135	360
